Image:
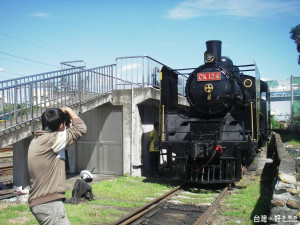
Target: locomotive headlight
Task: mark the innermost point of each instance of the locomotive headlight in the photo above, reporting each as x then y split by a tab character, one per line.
209	57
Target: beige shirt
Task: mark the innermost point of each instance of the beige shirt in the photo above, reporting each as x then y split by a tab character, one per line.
46	165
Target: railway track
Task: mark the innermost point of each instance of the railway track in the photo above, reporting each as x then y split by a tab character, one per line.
6	149
163	210
6	173
6	162
203	218
6	169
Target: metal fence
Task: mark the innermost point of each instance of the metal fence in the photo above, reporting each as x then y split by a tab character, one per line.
26	101
139	71
23	100
25	79
142	71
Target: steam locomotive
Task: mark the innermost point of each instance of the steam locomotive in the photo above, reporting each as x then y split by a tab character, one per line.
227	120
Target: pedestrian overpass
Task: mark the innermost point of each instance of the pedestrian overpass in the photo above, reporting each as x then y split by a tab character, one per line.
24	99
284	90
119	104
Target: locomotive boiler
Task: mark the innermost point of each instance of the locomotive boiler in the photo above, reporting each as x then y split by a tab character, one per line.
227	119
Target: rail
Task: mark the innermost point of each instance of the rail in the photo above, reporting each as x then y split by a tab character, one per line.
143	71
25	79
202	220
24	102
127	219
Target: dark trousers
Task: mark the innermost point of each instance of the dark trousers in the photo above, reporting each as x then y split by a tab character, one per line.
154	162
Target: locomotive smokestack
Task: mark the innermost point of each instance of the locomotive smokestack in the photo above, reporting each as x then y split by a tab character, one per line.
214	47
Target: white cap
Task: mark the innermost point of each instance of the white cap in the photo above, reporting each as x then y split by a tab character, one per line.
86	175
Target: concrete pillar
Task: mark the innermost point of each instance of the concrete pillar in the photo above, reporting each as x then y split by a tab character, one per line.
72	158
127	150
20	170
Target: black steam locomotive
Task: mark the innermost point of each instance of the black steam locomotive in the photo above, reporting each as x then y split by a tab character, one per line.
226	122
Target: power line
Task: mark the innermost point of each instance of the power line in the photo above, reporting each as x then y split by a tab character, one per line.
30	43
39	46
28	59
22	63
9	73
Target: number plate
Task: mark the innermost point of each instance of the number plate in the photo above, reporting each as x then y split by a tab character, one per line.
209	76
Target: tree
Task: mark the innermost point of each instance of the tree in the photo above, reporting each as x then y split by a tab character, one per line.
295	36
297	121
274	122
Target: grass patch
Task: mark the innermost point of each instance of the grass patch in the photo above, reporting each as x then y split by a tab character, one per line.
252	199
129	188
242	203
294	140
294	153
14	211
88	214
290	139
119	203
124	192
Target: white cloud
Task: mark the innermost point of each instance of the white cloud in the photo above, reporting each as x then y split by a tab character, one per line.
41	15
130	66
1	69
266	79
248	8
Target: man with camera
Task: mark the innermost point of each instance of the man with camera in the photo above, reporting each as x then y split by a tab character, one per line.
46	164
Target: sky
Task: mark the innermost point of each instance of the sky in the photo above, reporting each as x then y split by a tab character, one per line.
35	36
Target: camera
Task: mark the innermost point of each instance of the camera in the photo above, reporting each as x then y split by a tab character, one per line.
67	119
